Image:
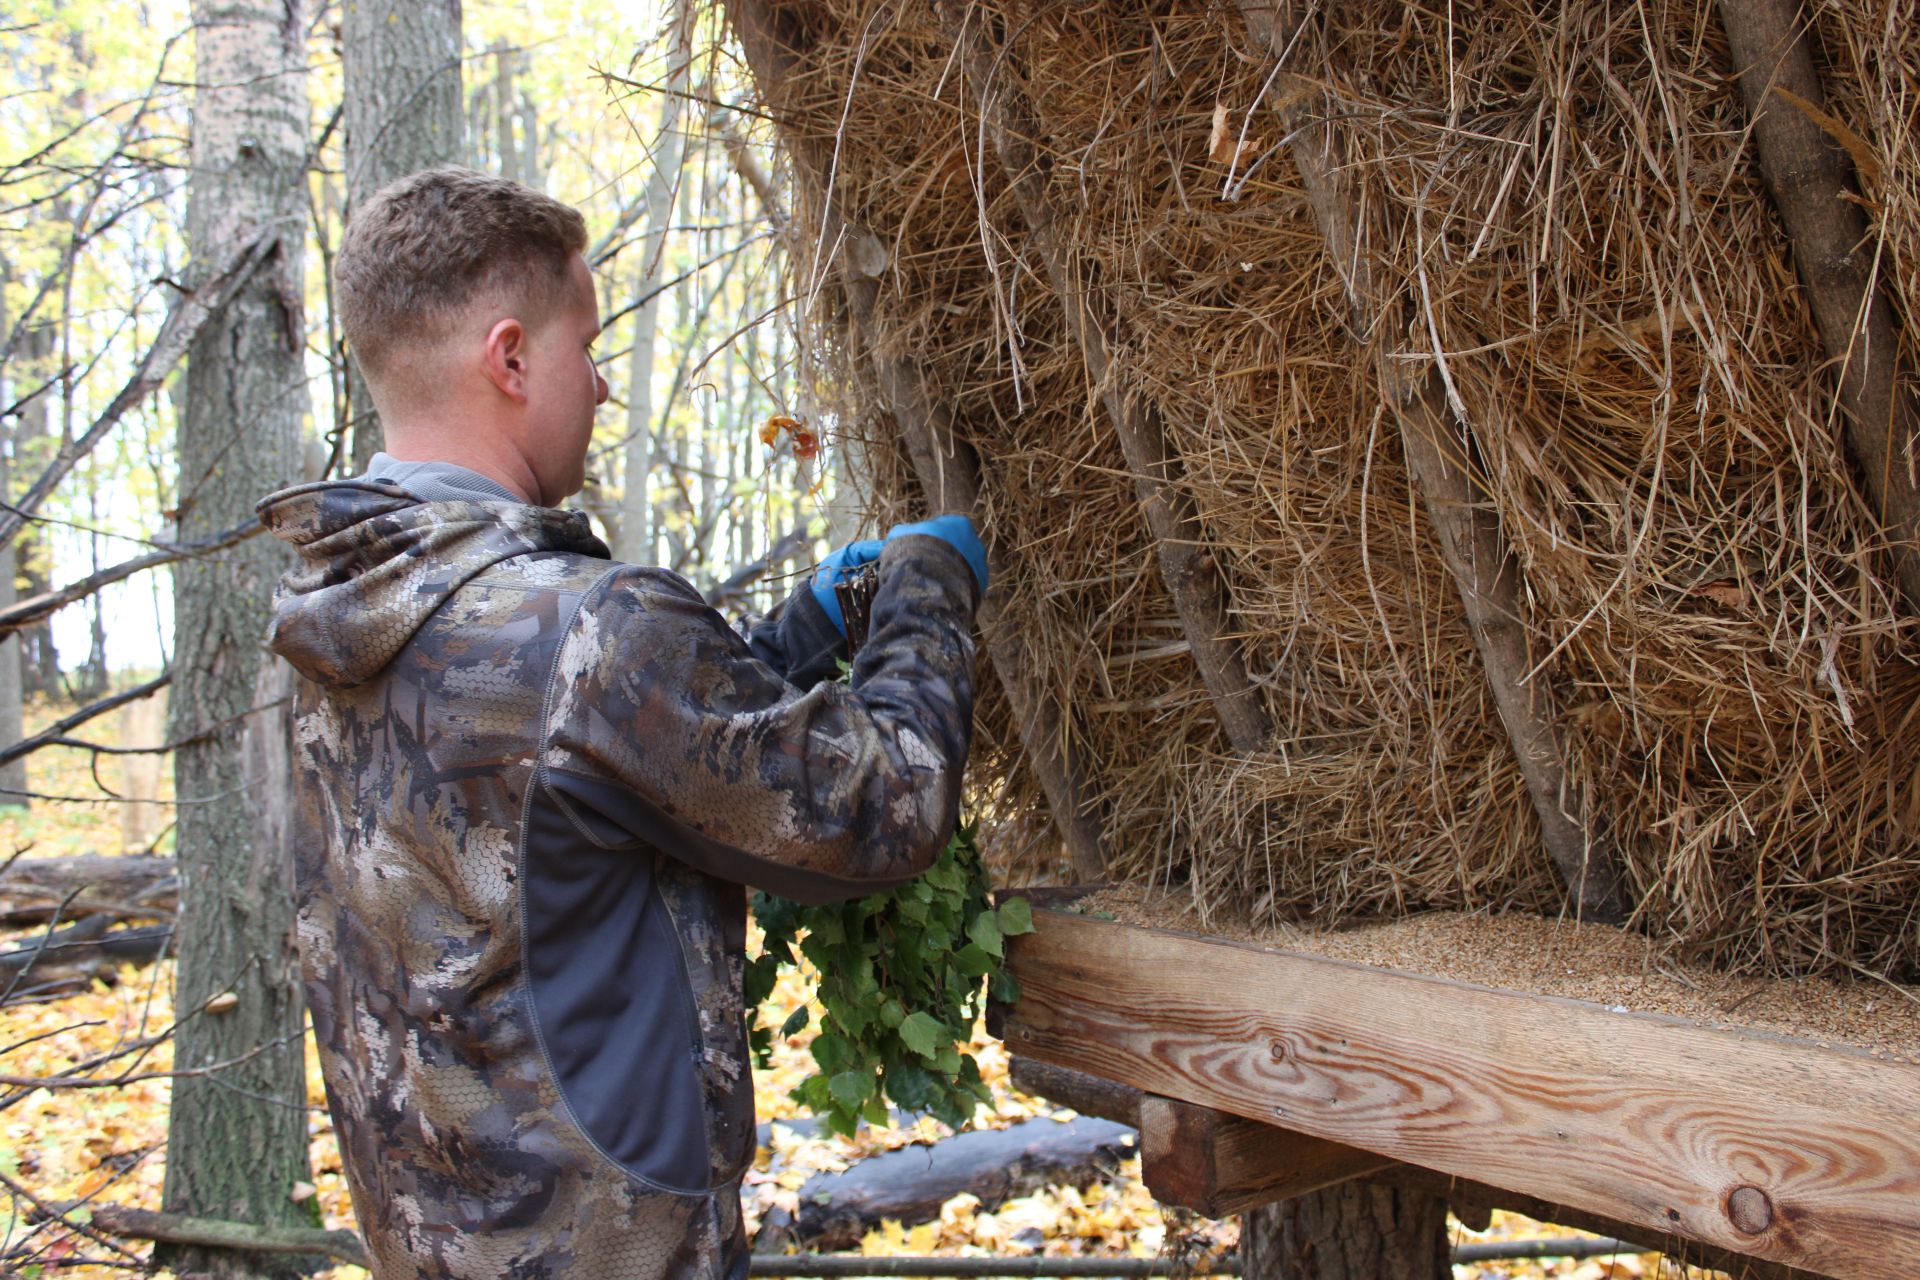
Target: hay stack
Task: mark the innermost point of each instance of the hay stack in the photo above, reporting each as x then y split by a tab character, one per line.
1562	200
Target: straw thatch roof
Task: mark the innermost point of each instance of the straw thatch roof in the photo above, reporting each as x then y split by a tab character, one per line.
1493	424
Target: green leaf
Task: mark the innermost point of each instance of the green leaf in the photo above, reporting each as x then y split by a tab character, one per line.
833	1053
796	1022
922	1033
1016	917
985	931
1005	988
876	1113
973	960
851	1087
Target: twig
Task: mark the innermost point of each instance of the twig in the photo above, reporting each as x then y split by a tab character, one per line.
182	325
34	608
58	729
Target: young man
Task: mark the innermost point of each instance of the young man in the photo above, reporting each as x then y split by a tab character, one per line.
535	782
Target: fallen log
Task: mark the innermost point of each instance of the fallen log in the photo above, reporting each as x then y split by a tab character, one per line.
909	1185
33	890
172	1228
63	960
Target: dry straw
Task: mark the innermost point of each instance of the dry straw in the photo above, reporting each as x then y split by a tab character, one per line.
1566	205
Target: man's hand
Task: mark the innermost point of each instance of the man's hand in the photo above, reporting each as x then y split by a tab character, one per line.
957	532
840	563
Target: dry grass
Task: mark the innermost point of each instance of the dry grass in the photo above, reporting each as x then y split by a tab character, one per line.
1565	201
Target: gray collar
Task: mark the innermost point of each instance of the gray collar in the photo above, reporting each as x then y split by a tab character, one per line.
438	481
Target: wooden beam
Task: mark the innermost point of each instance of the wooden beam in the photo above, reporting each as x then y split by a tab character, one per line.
1218	1164
1089	1095
1474	1202
1751	1143
1187	568
1438	446
1812	182
947	468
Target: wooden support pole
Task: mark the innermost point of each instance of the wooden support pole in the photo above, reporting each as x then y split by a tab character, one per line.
1192	575
1758	1144
948	469
1089	1095
1438	450
1218	1164
1812	183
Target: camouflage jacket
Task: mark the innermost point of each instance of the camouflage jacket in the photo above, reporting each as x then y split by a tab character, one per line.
533	783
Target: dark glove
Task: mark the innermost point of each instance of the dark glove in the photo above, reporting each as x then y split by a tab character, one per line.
839	564
956	531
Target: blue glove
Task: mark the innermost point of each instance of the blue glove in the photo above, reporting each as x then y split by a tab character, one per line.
837	565
957	532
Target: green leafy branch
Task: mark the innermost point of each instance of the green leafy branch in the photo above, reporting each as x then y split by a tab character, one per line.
904	975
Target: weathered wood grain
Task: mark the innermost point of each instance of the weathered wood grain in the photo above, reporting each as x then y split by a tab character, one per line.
1758	1144
1219	1164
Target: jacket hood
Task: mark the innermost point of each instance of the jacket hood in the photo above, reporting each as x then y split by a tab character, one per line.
375	562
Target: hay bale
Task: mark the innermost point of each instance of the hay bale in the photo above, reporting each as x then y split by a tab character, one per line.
1566	201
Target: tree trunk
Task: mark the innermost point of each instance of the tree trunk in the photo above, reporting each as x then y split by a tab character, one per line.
32	446
13	776
402	115
237	1137
1356	1230
636	514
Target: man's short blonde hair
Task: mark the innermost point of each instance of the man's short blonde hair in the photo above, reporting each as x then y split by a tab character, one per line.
424	247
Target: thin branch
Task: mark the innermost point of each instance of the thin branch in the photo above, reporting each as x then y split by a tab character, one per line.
60	728
210	1233
182	325
34	608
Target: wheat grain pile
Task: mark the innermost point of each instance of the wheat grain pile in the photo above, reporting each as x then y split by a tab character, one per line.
1568	208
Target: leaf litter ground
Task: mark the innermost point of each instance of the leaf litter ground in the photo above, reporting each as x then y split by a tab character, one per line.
109	1144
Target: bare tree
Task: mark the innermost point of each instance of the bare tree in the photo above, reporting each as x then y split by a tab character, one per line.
403	114
636	527
238	1137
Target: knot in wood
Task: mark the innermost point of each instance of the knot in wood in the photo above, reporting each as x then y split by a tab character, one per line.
1278	1050
1749	1210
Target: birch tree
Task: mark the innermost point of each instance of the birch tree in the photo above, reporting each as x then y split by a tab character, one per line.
237	1134
635	526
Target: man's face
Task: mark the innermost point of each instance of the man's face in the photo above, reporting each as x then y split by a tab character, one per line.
563	389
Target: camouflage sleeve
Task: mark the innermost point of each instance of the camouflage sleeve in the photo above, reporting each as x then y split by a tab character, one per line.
798	640
664	730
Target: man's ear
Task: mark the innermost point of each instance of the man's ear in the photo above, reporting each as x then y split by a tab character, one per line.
505	358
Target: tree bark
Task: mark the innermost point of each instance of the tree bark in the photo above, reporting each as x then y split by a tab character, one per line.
1356	1230
1812	183
13	776
402	114
237	1144
636	544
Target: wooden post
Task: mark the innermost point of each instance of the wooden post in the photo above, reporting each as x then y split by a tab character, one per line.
1191	574
1438	451
1811	180
948	470
1218	1164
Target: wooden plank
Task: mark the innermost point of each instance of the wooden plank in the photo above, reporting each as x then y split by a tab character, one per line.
1758	1144
1218	1164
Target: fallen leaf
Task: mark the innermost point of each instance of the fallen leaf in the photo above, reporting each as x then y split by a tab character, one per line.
1218	147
